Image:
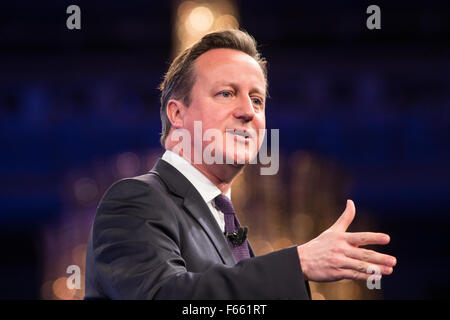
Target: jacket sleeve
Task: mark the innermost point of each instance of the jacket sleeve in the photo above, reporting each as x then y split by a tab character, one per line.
136	254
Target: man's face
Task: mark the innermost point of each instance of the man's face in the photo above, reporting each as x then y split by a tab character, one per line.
229	95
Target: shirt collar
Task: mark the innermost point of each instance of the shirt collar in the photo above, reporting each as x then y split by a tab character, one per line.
204	186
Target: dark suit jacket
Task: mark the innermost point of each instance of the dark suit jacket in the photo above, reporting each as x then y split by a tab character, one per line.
154	237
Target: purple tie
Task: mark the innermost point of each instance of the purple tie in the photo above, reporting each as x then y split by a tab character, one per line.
232	225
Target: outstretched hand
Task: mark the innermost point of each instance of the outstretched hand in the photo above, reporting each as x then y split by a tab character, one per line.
335	253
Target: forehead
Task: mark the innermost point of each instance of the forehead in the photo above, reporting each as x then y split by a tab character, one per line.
229	65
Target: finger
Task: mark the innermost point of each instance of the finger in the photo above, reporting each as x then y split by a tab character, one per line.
366	238
365	267
346	217
370	256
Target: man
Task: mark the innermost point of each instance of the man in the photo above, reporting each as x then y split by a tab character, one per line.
173	233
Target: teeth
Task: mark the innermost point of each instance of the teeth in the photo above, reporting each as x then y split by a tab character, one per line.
238	132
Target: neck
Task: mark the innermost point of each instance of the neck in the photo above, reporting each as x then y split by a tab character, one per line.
222	175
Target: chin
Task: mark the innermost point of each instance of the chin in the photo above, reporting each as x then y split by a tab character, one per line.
241	154
238	159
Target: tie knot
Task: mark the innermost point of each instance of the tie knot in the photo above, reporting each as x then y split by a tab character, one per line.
224	204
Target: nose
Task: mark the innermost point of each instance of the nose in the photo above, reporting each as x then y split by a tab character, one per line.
244	109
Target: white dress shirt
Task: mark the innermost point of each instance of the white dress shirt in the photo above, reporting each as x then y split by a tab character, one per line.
204	186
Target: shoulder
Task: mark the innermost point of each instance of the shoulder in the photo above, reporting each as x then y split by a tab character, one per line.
139	186
143	196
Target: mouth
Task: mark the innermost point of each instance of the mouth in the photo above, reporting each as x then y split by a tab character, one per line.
239	132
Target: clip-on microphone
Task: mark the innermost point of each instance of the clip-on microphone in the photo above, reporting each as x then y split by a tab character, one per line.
237	237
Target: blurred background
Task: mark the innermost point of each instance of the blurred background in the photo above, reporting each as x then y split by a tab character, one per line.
363	115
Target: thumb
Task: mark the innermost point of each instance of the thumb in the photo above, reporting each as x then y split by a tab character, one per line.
346	217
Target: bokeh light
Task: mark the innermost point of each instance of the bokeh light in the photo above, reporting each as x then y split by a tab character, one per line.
61	291
196	18
199	20
79	254
226	21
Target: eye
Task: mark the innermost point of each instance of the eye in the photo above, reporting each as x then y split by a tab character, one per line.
225	94
257	101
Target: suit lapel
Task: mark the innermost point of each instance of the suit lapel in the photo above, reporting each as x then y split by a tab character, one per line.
196	206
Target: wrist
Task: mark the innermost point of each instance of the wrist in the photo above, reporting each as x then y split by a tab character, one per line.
301	259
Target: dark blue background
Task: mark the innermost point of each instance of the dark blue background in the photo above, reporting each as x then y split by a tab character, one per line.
377	103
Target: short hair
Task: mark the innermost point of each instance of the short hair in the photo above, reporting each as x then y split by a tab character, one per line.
180	78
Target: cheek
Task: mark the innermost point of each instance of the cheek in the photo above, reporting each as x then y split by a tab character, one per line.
193	118
260	122
188	125
214	119
260	125
189	117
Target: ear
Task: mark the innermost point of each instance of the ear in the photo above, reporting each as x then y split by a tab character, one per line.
175	112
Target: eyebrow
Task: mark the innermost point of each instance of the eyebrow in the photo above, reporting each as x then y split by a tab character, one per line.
235	86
